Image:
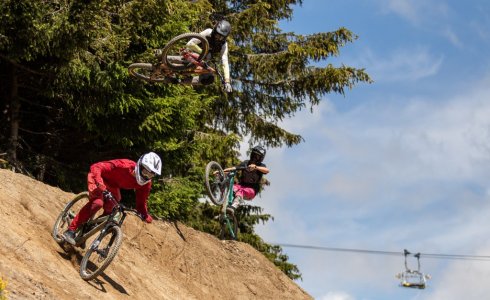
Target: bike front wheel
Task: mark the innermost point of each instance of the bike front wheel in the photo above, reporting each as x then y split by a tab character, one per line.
101	253
66	216
228	226
216	185
175	46
146	72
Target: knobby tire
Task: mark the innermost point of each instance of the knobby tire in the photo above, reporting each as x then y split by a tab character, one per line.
145	71
114	245
60	221
204	45
213	185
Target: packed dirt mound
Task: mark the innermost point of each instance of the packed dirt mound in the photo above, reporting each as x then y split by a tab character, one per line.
160	260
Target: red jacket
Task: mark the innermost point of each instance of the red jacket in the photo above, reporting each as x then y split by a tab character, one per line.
119	174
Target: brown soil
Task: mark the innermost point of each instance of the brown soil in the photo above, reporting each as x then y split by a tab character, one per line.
160	260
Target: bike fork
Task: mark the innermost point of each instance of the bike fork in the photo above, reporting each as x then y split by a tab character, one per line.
228	224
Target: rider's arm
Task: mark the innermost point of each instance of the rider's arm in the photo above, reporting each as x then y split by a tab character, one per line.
142	195
224	62
96	171
261	168
192	44
242	164
229	169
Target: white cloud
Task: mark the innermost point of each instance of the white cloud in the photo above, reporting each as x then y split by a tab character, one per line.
337	296
429	15
415	11
452	37
402	65
412	174
481	28
462	280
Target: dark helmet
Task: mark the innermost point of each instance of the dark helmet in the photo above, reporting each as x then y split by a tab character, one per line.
222	28
257	154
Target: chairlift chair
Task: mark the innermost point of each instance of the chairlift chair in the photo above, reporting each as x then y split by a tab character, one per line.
413	278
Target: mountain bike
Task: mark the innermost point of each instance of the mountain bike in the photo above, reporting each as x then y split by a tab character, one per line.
105	246
177	63
219	187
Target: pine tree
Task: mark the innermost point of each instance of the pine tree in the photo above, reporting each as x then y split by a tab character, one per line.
67	99
273	71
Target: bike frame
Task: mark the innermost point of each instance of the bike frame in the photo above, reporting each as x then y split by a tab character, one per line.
231	175
202	67
102	224
231	179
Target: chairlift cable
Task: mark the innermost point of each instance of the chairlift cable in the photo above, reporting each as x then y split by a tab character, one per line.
394	253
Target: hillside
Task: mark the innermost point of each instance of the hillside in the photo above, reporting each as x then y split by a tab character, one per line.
161	260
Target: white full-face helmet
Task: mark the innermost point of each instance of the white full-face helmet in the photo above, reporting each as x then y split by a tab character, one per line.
148	166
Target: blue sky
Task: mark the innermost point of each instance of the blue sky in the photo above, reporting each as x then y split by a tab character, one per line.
402	163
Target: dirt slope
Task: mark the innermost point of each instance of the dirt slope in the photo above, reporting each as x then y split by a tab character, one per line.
157	261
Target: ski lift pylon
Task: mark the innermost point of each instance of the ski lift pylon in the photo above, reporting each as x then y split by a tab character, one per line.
412	278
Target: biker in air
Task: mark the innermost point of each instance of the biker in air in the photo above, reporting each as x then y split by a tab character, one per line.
107	178
218	45
250	179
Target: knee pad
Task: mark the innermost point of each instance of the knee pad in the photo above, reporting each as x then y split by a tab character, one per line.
206	79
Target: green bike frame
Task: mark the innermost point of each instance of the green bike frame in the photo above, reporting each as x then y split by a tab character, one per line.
231	175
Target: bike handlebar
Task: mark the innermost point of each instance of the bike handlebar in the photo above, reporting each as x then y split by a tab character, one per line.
121	206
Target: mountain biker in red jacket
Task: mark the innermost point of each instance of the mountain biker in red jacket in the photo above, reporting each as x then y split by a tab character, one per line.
111	176
249	181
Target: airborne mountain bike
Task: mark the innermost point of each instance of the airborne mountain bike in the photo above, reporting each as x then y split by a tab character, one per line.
177	63
105	246
219	187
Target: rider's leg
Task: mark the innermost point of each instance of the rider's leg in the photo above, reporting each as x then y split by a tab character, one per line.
95	202
109	205
189	80
86	212
176	60
241	193
206	79
83	216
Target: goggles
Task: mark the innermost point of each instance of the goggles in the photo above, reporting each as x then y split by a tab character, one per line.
147	174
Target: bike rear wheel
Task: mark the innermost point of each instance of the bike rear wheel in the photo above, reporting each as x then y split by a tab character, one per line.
98	257
66	216
146	71
228	226
216	186
174	47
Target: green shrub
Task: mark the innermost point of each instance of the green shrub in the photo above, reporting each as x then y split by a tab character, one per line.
3	291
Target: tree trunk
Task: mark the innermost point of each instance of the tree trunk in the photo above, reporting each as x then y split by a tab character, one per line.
14	115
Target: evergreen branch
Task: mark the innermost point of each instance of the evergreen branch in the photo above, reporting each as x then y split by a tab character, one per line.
38	133
20	66
37	104
256	55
